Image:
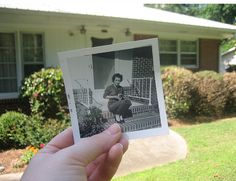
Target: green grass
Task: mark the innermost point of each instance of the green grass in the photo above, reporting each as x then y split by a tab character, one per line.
212	156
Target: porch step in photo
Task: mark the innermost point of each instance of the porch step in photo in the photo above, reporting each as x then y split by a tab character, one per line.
137	123
136	110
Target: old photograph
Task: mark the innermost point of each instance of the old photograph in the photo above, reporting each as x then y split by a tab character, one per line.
118	83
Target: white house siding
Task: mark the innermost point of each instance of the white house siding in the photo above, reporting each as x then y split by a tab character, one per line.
66	38
62	32
55	40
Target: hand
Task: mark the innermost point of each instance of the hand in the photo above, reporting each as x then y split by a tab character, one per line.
93	158
121	96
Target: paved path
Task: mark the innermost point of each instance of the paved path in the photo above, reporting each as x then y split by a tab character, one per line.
142	154
151	152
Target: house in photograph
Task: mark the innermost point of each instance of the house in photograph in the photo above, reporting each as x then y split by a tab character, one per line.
31	34
228	60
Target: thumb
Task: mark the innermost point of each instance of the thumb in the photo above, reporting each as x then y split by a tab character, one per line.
88	149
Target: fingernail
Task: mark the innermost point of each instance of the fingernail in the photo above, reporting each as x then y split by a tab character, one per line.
120	145
113	129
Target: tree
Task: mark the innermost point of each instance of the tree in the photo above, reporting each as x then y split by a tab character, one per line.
188	9
225	13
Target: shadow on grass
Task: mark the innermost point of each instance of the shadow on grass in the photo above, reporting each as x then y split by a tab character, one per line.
192	120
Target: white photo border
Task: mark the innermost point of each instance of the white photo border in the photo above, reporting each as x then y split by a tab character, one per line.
64	56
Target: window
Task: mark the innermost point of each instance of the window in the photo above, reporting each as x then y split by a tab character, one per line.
8	74
168	52
178	52
32	52
188	53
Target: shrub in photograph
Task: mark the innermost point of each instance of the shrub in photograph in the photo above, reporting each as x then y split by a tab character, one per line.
177	85
46	93
230	84
92	122
210	94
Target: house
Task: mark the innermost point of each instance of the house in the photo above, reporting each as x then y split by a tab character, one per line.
32	32
228	60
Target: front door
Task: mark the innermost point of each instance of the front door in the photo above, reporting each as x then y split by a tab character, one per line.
103	64
81	72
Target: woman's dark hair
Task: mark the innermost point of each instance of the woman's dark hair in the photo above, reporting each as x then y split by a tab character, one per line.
118	76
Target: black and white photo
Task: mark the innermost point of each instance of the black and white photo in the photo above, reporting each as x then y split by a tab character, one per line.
117	83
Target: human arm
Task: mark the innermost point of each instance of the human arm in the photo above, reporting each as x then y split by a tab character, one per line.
93	158
110	93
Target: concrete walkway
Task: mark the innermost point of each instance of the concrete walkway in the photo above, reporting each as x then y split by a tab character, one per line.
152	152
142	154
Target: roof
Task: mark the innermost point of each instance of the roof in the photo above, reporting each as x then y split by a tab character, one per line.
118	9
229	51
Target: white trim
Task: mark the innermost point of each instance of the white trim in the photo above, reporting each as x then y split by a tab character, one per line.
19	61
12	95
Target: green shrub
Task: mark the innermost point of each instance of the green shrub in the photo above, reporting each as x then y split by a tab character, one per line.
28	154
12	130
46	93
230	84
18	130
210	94
38	133
177	90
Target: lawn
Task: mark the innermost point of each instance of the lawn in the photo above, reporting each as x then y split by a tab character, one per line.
212	155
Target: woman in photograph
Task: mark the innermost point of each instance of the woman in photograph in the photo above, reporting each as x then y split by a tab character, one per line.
117	103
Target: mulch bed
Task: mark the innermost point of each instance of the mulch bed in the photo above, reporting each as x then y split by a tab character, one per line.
9	158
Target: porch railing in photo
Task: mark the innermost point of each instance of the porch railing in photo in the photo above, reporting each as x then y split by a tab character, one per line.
82	93
140	88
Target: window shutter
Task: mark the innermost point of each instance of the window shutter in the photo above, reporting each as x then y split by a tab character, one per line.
143	36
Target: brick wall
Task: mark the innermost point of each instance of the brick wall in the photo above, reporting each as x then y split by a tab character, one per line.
142	67
209	54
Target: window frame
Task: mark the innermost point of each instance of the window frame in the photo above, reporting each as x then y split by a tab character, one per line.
179	52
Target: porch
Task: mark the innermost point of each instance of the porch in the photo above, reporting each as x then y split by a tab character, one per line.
141	92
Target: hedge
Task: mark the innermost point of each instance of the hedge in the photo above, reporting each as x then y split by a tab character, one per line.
177	85
46	93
